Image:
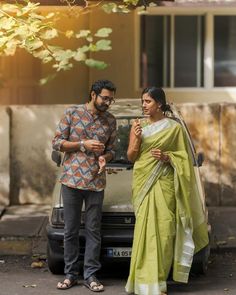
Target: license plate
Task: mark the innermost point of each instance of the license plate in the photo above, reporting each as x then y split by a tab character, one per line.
119	252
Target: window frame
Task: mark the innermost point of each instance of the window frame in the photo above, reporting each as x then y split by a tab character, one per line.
208	55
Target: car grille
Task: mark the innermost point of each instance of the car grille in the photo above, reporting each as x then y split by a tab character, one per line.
117	219
109	219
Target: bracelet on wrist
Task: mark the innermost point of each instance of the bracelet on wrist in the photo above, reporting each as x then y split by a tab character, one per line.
81	146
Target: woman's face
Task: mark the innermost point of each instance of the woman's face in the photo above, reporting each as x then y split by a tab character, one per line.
149	105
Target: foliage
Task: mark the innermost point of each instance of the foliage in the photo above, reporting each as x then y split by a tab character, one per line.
21	26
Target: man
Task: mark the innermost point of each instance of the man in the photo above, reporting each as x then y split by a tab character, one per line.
87	135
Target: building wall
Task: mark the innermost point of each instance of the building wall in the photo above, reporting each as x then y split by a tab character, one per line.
28	175
21	73
4	156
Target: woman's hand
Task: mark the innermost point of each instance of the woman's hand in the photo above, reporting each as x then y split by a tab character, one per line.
135	140
137	128
159	155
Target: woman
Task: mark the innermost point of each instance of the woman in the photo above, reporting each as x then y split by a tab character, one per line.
170	223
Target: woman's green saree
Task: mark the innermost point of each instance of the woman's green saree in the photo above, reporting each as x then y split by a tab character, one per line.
170	222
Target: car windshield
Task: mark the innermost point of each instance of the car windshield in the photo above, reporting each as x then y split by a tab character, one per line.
123	129
124	124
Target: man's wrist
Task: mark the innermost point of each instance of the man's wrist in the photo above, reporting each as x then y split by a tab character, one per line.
81	146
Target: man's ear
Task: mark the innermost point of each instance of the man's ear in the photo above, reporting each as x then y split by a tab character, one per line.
93	95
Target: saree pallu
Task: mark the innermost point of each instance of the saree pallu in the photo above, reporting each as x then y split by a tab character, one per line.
170	222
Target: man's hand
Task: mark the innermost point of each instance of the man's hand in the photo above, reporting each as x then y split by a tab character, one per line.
102	164
94	145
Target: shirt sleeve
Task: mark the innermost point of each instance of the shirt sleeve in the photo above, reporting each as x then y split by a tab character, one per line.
62	131
111	143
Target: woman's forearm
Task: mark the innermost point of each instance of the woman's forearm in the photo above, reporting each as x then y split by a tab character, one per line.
133	149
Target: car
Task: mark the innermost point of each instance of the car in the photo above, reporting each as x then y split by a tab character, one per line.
118	218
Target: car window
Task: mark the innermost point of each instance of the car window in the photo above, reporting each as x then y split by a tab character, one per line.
124	124
123	129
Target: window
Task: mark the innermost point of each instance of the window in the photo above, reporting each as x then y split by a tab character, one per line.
188	59
224	51
172	50
183	51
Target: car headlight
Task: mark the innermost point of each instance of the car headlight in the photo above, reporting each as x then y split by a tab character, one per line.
57	217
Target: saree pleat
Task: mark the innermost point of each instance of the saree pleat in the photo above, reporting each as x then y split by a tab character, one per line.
164	233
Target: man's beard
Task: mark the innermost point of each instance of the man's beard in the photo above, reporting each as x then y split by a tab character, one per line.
100	108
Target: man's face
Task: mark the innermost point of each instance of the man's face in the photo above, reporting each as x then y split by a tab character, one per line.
103	100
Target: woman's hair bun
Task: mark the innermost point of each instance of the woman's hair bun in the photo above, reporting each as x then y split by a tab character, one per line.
166	108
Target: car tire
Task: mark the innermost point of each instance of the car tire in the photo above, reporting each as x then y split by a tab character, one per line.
55	263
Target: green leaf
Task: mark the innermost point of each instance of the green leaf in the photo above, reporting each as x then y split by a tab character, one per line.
109	7
103	45
3	40
69	34
22	31
50	15
103	32
11	46
28	8
9	8
34	26
92	47
7	23
33	44
114	8
122	9
49	34
42	54
95	64
47	59
47	79
89	39
84	48
131	2
64	65
83	34
62	55
80	55
37	16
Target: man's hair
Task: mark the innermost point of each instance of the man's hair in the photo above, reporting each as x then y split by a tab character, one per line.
102	84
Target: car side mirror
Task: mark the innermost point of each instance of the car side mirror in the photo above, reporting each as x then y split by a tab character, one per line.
200	159
56	157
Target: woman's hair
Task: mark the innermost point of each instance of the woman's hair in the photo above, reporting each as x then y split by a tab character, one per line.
158	95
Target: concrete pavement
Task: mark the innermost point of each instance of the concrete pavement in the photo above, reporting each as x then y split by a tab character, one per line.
23	229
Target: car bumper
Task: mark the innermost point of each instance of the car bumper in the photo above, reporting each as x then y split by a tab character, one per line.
116	243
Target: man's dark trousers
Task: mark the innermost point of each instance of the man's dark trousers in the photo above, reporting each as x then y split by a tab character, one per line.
73	201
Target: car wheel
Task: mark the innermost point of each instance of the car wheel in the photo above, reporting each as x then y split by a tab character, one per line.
55	263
